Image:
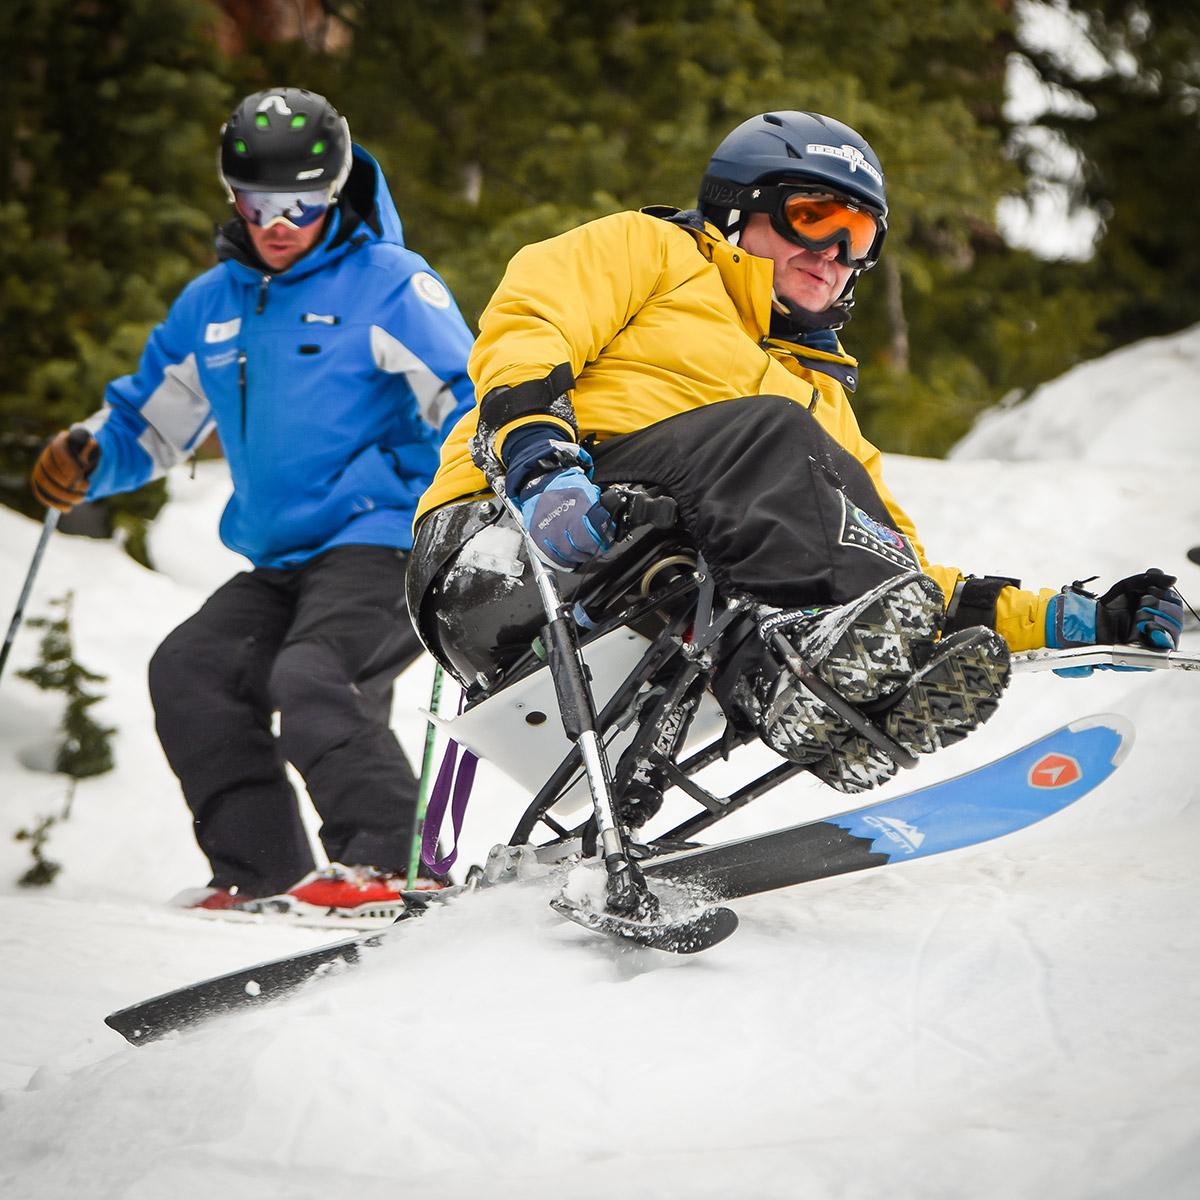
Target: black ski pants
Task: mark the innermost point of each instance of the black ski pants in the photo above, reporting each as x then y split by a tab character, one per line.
321	645
781	511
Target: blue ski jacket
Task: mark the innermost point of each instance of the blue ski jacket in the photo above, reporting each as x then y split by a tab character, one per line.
331	385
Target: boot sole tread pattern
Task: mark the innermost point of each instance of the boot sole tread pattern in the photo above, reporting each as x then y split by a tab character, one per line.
955	692
883	646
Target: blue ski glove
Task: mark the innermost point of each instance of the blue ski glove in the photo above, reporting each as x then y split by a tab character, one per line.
1143	609
550	478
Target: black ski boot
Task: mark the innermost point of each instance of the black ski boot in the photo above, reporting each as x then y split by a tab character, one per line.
881	653
955	692
868	648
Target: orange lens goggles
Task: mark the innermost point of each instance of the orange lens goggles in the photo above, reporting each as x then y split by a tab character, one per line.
823	220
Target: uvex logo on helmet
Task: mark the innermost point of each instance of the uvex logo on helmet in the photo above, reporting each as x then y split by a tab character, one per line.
720	191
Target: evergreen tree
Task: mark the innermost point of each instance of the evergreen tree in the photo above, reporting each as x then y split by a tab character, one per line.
500	122
1138	132
952	318
85	748
108	112
504	122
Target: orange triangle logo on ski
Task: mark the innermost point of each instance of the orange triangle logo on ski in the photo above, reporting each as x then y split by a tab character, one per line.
1055	771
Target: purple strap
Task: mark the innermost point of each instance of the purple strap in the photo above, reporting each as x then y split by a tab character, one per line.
446	785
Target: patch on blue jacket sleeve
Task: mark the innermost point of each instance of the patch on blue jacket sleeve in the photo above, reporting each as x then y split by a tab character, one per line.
431	289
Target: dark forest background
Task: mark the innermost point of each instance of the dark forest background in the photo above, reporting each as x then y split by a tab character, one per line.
499	122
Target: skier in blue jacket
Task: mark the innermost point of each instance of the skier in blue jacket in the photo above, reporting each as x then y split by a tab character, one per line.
332	361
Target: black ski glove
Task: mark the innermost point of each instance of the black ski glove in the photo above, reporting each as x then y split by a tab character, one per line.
1141	609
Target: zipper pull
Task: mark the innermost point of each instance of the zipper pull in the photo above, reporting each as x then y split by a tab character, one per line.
242	387
262	294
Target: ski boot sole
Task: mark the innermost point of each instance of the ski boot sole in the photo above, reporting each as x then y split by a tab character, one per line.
955	692
866	650
869	648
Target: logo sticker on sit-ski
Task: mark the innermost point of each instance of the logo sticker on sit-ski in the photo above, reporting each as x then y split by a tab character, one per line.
1054	771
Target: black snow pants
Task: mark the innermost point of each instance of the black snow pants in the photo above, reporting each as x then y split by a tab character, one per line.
321	645
780	510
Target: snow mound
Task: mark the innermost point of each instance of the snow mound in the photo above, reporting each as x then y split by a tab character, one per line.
1136	405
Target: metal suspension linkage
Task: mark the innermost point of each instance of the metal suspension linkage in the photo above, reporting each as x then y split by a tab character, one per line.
632	911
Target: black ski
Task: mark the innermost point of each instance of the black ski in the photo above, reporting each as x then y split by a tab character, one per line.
998	798
261	984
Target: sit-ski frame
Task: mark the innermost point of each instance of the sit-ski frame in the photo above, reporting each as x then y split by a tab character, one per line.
692	634
631	909
693	600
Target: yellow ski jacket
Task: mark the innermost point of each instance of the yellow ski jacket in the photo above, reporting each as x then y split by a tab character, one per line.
655	318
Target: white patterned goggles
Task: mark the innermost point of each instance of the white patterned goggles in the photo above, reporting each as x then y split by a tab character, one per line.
296	208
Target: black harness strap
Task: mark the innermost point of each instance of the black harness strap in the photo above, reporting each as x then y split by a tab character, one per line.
974	602
532	398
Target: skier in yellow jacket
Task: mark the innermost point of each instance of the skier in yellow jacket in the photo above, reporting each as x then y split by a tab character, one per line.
696	353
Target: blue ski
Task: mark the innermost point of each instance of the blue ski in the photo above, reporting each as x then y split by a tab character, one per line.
989	802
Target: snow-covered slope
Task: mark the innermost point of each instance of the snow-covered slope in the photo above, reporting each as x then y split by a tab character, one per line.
1136	406
1013	1021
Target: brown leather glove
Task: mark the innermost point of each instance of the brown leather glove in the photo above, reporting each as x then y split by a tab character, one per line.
60	475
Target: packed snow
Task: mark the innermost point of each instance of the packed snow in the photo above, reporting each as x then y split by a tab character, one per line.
1015	1020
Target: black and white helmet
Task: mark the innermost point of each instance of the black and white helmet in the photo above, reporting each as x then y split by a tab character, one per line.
285	140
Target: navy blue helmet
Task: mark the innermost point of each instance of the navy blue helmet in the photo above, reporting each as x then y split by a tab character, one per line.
782	163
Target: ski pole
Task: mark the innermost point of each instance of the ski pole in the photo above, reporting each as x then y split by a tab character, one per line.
414	855
627	891
48	526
